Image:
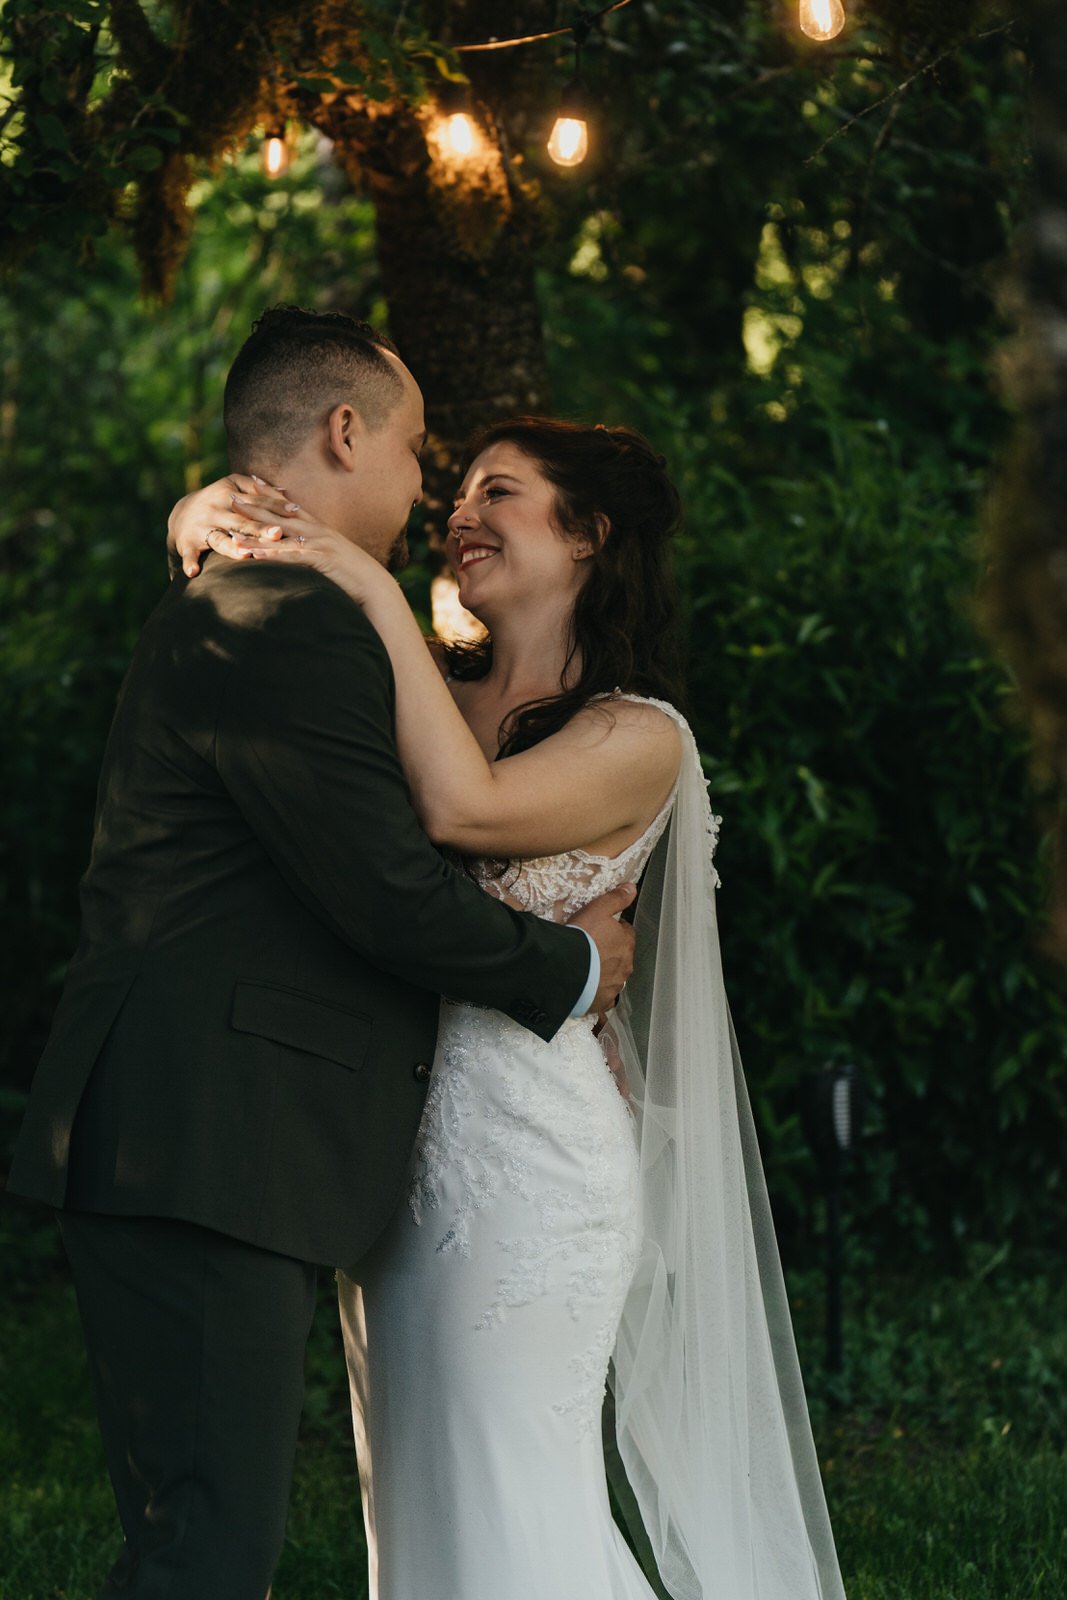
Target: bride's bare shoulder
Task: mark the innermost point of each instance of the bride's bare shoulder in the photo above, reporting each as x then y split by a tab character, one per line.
644	718
637	730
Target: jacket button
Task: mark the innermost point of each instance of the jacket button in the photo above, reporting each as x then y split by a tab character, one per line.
422	1072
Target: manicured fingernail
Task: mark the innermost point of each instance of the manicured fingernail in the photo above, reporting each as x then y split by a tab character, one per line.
254	478
291	505
273	529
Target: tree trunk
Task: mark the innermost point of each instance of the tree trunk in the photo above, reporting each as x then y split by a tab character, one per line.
454	246
457	239
1027	589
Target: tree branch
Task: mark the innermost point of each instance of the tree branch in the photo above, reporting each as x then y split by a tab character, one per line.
920	72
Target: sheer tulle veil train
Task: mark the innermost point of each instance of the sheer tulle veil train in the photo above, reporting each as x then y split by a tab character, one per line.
711	1417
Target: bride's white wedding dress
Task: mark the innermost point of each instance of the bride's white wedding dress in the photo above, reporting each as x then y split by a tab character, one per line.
480	1334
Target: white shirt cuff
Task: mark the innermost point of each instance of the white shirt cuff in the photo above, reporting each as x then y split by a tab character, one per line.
585	999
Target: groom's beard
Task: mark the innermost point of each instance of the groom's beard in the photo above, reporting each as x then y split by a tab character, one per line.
399	555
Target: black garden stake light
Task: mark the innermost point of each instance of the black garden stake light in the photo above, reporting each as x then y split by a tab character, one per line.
832	1114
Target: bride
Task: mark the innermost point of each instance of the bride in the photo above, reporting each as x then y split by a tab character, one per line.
597	1199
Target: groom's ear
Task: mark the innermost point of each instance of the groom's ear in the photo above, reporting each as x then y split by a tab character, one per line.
345	430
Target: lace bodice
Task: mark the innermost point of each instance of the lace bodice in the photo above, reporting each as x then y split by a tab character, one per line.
556	887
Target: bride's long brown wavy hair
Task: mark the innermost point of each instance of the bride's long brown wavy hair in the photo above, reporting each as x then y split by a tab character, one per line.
624	627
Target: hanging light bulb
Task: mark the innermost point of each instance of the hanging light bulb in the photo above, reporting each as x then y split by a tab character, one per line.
568	143
460	131
275	155
460	134
821	19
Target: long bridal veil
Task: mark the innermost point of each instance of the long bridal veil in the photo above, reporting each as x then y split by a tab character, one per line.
711	1418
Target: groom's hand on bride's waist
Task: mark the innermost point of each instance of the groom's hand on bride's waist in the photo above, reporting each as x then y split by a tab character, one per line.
614	941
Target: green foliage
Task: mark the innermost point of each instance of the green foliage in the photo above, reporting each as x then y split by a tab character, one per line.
882	875
974	1359
391	65
818	373
882	869
114	104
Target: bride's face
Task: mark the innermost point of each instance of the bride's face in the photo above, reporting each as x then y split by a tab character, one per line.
504	545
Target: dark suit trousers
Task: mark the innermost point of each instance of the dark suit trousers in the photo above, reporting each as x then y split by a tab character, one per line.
196	1349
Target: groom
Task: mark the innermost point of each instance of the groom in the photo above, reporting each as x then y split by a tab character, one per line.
237	1068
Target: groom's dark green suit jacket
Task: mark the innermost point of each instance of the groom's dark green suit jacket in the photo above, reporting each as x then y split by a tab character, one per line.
244	1036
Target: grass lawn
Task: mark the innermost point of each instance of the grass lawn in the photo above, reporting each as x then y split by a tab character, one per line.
58	1526
944	1452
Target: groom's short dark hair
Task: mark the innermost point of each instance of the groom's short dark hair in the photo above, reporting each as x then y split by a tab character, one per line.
290	373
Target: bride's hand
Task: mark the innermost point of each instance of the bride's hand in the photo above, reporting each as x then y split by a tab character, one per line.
275	529
210	509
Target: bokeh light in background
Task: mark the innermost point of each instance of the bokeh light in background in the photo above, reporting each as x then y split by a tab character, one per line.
450	621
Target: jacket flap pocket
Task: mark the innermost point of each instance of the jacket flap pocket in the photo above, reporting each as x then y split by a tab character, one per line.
301	1021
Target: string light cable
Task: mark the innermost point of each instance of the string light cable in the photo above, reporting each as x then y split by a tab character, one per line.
586	20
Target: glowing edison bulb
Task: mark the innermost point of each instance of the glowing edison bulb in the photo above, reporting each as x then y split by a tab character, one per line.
569	142
821	19
460	134
455	132
275	155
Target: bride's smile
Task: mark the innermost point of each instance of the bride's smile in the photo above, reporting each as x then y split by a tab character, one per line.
506	546
468	554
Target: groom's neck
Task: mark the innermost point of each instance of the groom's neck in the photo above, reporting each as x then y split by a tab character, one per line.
327	498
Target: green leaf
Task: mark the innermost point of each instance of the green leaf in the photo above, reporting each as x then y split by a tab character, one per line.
51	90
52	132
144	158
349	72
